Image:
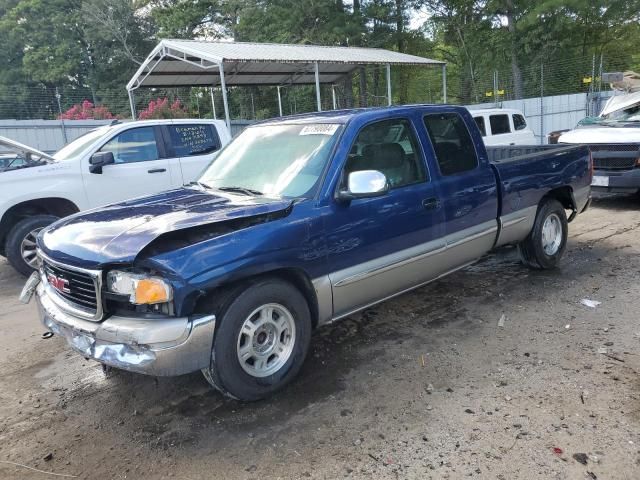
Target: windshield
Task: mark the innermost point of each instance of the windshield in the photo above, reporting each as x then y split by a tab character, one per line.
615	118
79	144
273	160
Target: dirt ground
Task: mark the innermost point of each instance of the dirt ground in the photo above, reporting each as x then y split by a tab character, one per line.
427	385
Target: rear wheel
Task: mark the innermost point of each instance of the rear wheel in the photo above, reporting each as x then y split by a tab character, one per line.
21	242
261	340
544	246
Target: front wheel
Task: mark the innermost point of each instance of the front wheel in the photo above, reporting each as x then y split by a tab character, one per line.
21	242
544	246
261	341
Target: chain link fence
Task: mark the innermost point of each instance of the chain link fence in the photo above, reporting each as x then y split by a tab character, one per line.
365	87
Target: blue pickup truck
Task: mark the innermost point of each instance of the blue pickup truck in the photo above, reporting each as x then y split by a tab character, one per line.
299	221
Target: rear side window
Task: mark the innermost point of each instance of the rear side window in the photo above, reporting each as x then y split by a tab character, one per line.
480	124
133	145
451	142
193	139
519	123
499	124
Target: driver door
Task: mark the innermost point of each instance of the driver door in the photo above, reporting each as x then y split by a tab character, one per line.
140	168
384	245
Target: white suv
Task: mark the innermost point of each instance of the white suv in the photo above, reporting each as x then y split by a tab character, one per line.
106	165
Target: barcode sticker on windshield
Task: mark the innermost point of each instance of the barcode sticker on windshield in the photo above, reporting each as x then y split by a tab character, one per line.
320	129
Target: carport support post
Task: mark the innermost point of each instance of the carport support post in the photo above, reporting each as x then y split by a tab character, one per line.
333	97
279	100
318	88
213	105
444	82
389	84
224	96
132	104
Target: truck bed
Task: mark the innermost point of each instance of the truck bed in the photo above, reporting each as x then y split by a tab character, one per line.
526	173
510	153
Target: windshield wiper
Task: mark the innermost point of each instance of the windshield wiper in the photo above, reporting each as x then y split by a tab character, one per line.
243	190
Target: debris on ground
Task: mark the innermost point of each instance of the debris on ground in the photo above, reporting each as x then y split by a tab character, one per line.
558	450
613	357
590	303
503	317
48	457
582	458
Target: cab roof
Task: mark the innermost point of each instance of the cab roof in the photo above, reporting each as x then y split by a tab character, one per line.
344	116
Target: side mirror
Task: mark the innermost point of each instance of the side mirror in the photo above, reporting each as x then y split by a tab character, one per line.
364	184
99	160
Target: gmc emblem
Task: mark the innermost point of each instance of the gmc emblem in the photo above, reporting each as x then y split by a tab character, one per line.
60	284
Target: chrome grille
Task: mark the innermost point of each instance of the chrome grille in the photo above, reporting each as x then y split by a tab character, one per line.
81	287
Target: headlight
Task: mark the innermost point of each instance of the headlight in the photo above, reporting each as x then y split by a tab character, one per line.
141	289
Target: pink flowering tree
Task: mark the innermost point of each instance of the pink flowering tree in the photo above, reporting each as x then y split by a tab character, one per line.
161	108
87	111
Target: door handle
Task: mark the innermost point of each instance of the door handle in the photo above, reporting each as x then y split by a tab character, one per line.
157	170
431	203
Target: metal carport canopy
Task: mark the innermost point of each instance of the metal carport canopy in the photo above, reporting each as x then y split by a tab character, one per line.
198	63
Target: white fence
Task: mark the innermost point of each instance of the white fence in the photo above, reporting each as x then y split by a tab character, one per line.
47	135
548	114
51	135
544	115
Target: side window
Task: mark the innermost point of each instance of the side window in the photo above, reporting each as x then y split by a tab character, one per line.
188	140
519	123
451	142
134	145
499	124
390	147
480	124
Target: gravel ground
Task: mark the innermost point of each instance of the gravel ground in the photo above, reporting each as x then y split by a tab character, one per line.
427	385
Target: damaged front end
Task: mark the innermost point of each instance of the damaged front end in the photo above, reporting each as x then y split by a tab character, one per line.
135	311
152	345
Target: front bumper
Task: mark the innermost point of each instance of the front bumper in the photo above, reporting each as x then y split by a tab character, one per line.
620	181
159	346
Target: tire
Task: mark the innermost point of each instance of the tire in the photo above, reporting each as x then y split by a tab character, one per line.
25	230
532	249
288	331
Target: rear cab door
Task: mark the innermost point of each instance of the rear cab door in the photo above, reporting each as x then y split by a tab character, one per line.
524	135
192	145
466	183
501	129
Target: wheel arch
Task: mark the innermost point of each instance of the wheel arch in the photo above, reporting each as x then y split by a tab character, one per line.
565	196
219	297
57	206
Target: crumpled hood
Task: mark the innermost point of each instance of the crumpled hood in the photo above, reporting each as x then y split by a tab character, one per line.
620	102
117	233
595	134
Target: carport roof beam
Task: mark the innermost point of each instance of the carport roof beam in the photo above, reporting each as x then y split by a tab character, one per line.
188	63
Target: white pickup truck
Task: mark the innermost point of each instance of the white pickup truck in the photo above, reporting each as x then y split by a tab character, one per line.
106	165
503	126
614	139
